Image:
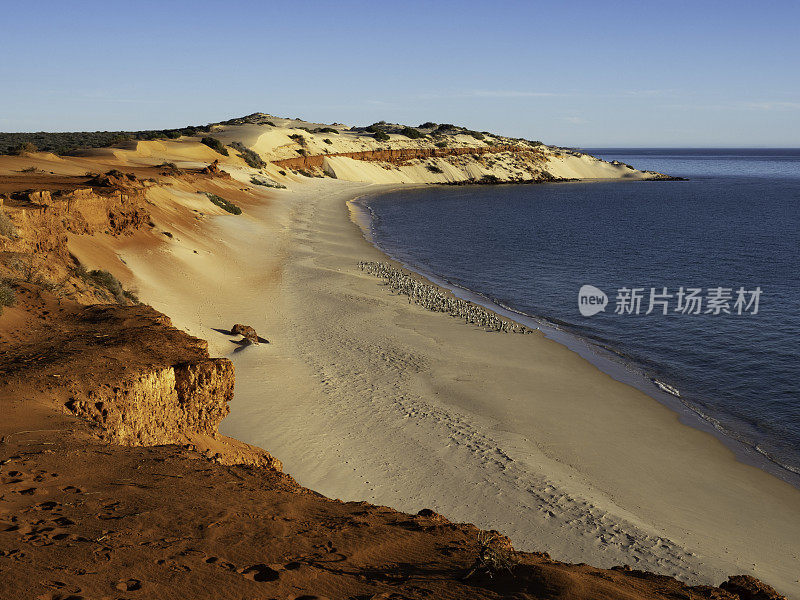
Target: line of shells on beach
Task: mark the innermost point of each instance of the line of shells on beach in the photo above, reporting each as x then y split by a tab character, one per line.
433	298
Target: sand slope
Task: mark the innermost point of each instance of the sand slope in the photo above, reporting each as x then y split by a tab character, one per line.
384	401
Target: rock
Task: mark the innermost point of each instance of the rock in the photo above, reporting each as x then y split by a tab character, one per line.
213	169
249	334
750	588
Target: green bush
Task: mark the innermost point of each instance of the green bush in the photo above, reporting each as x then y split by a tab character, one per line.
412	133
267	183
428	125
6	226
326	130
441	144
224	204
433	169
381	136
215	145
327	141
297	137
251	157
476	134
23	148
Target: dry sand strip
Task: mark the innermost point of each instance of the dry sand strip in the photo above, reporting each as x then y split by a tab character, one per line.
365	396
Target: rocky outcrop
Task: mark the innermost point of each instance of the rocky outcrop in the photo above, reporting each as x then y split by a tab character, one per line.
44	218
248	333
161	406
214	170
750	588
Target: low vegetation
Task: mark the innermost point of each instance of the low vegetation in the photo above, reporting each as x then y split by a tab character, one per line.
224	204
476	134
23	148
381	136
68	142
494	556
7	228
327	141
215	145
433	169
326	130
267	183
7	296
441	144
106	280
251	157
412	133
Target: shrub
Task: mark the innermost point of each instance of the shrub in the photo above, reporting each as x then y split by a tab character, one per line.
446	127
476	134
7	296
215	145
494	556
270	123
282	172
428	125
299	138
172	134
412	133
327	141
433	169
267	183
80	271
131	296
301	151
106	280
381	136
251	157
7	226
441	144
224	204
326	130
24	148
374	128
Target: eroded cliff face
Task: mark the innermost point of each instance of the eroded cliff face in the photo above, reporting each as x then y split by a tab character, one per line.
43	219
161	406
125	370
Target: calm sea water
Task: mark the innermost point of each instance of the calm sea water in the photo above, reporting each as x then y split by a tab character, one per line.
735	223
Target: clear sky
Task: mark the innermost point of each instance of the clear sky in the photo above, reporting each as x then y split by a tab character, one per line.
581	73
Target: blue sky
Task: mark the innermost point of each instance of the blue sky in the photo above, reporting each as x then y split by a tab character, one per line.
646	73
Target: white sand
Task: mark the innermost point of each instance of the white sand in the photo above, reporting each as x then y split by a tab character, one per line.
366	397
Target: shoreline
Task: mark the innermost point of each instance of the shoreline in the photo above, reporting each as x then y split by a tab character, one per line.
357	415
599	355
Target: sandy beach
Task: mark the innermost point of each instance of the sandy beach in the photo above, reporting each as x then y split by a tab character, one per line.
364	396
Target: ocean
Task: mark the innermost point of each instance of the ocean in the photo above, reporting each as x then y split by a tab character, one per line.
719	253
